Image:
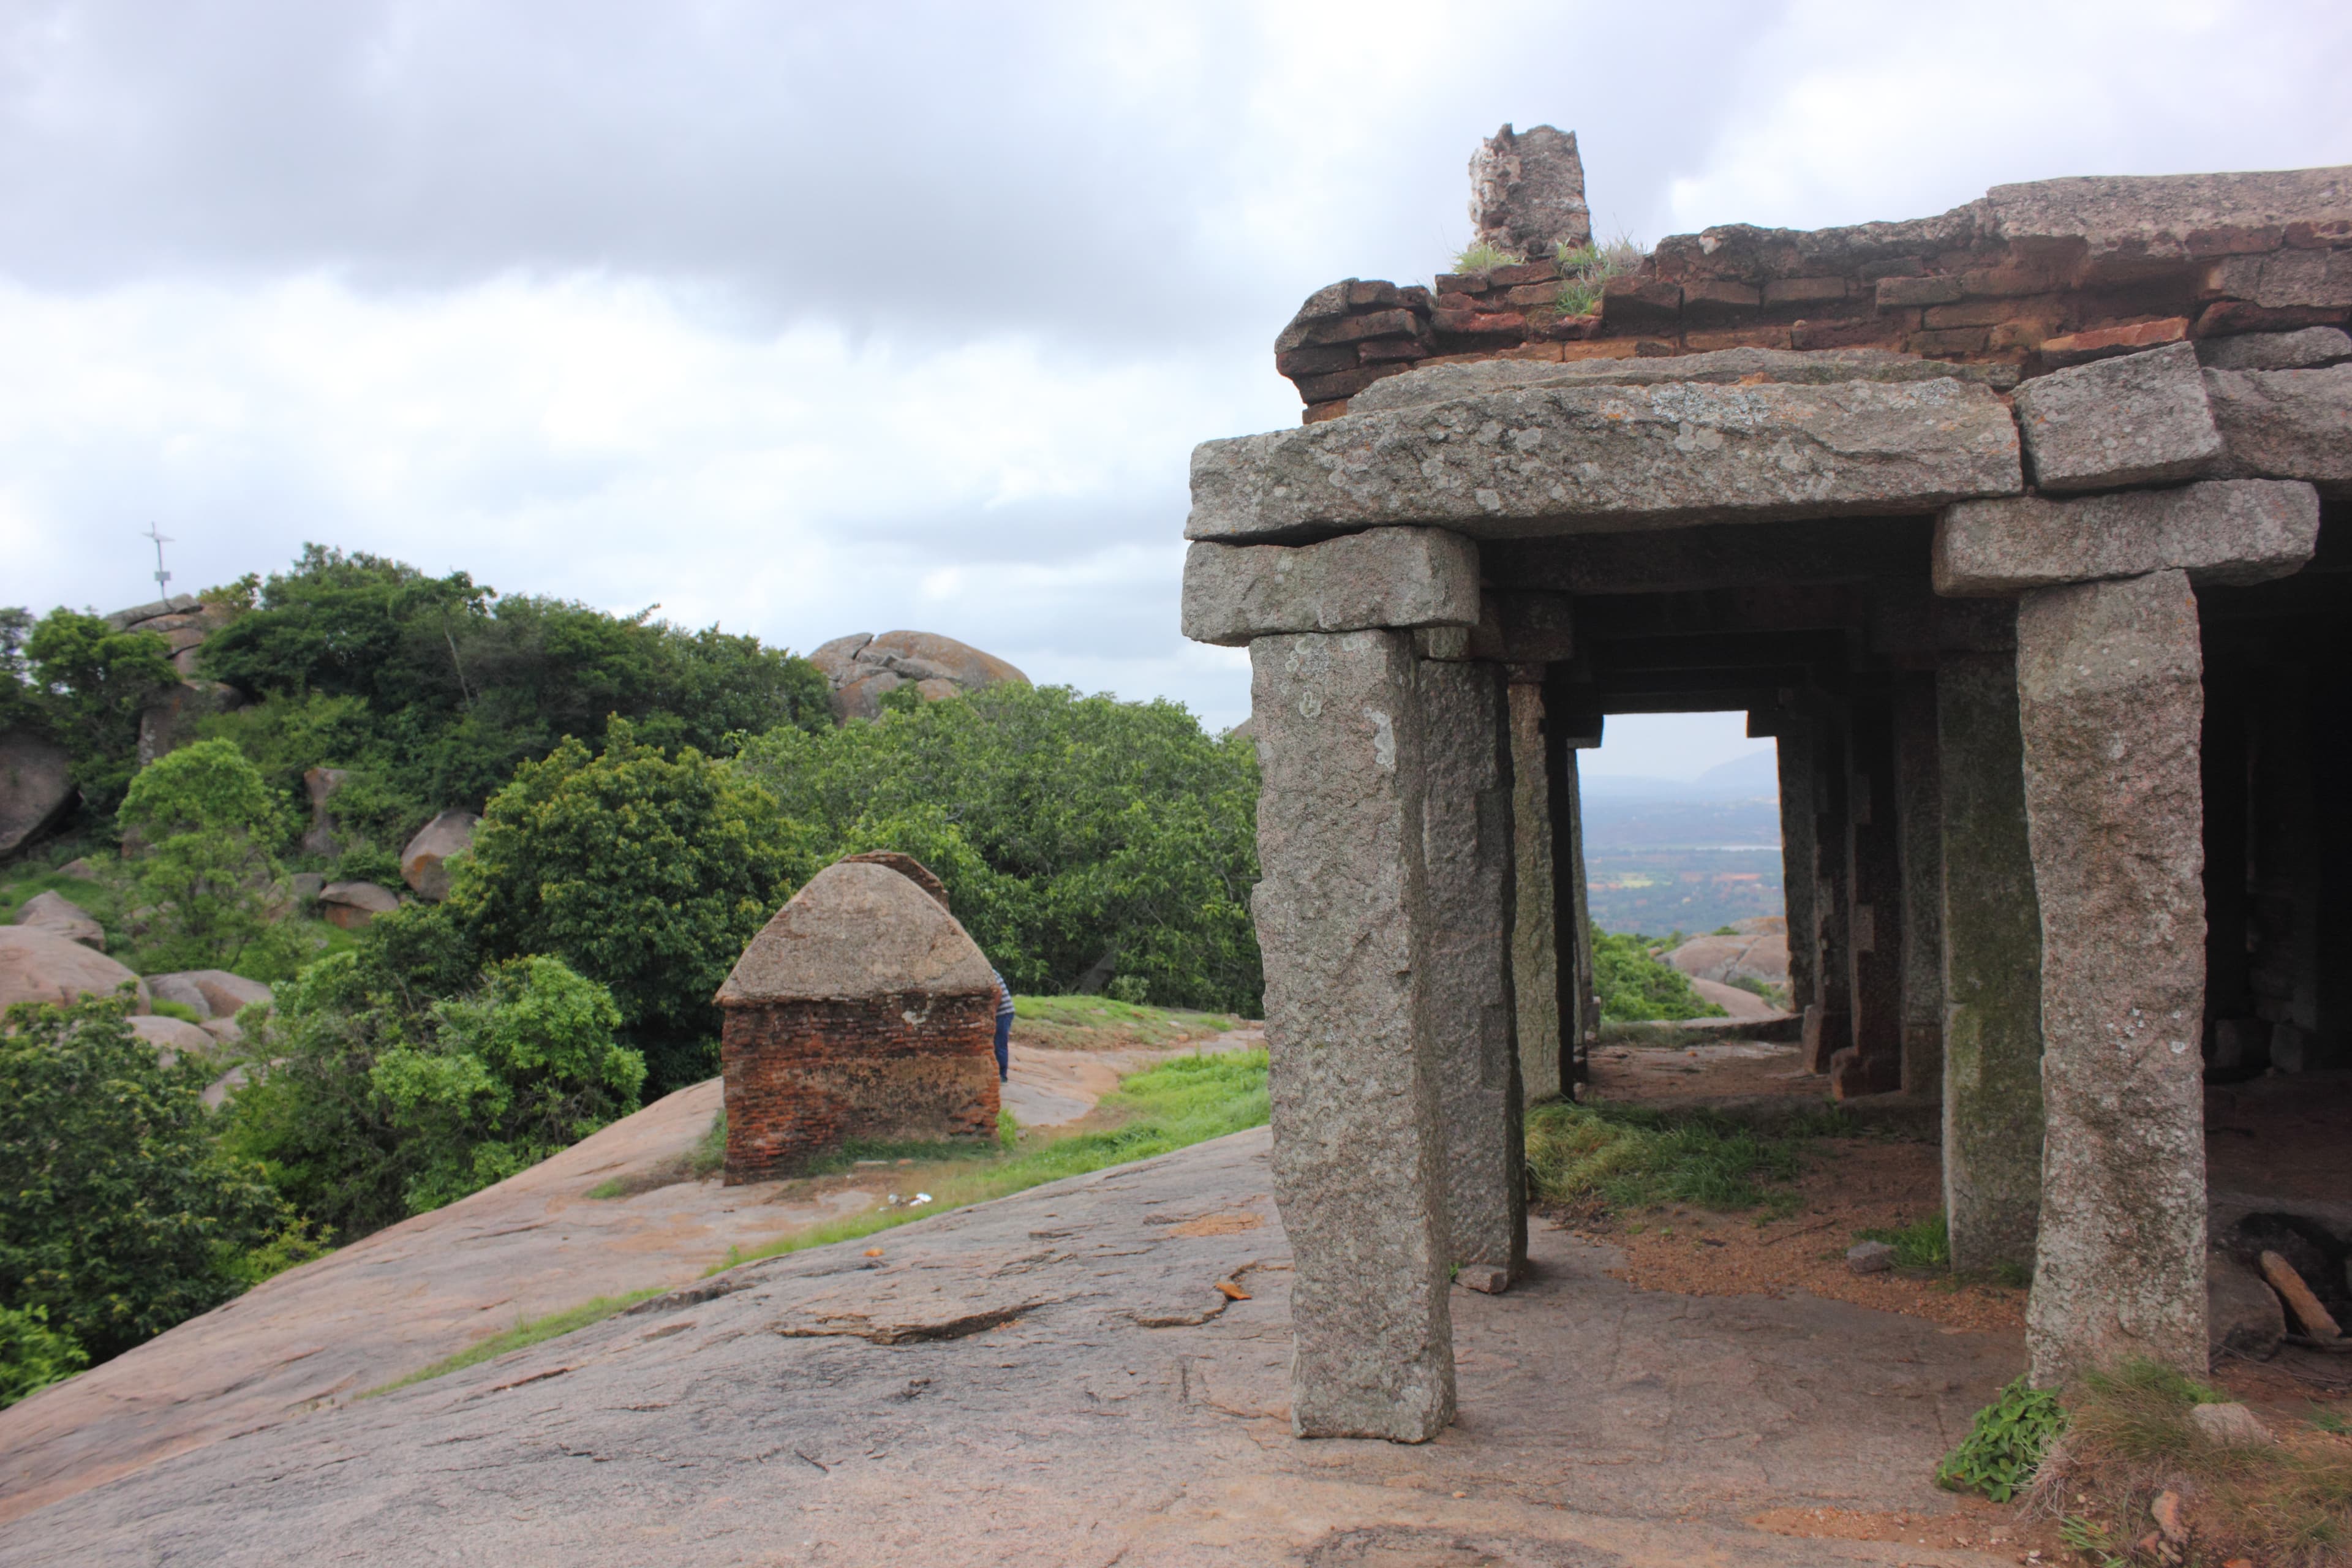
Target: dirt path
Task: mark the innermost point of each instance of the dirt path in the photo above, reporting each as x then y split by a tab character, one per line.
426	1289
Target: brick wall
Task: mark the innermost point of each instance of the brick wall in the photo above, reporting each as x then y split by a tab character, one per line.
804	1076
1940	288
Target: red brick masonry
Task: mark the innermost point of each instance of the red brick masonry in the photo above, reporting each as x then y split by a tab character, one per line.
804	1076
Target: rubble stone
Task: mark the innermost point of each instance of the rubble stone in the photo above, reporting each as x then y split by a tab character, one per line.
1527	192
1870	1258
2231	1424
2139	419
1467	853
1562	460
1381	577
2109	708
2284	424
2305	350
2219	530
1359	1151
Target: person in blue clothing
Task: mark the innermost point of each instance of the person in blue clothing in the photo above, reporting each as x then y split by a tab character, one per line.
1003	1028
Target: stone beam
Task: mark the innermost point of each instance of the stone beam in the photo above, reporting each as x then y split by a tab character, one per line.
1744	556
2140	419
1992	970
1599	458
2284	424
2222	531
1535	953
2109	706
1467	853
1359	1146
1384	577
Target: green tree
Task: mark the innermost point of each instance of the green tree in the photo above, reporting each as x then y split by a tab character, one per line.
86	684
33	1356
119	1213
1078	837
209	822
648	873
385	1088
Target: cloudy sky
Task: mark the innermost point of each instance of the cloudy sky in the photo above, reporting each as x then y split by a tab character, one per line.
809	320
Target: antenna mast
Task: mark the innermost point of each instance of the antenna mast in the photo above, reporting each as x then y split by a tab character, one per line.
163	578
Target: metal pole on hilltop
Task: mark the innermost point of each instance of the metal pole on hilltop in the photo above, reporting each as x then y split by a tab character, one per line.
163	578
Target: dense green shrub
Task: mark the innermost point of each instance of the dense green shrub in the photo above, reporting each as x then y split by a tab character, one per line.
1633	987
119	1215
72	678
207	873
1079	837
646	872
33	1356
384	1086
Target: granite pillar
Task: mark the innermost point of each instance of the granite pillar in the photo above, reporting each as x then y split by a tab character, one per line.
1535	953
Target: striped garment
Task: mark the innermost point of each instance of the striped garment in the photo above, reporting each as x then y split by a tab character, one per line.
1003	996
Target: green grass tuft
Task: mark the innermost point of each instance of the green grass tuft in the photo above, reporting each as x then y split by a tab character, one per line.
521	1336
1924	1244
1481	256
1618	1157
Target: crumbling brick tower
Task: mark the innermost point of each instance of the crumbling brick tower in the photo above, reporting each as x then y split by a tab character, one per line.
2023	530
862	1010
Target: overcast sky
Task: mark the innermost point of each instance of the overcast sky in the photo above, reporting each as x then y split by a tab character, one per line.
815	320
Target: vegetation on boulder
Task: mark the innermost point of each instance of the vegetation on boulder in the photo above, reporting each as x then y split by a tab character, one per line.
1634	987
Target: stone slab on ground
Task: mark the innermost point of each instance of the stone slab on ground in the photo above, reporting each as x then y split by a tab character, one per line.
1602	458
989	1390
2139	419
2222	531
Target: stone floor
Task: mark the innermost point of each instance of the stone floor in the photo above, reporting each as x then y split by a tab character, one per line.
1055	1378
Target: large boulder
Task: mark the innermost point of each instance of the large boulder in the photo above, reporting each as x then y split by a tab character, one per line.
425	864
861	668
39	966
1762	955
36	786
54	912
174	1038
209	992
352	905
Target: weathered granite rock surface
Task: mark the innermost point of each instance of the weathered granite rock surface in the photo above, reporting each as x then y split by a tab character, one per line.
2109	707
1992	968
173	1038
2242	1315
37	965
2219	530
863	667
1466	857
1538	901
320	785
781	1412
2137	419
211	993
2284	424
857	930
56	913
2305	350
2289	279
425	864
2155	217
1435	383
1381	577
1527	192
1342	921
352	905
1565	459
36	786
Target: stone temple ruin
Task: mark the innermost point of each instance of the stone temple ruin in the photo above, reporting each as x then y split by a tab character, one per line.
2021	529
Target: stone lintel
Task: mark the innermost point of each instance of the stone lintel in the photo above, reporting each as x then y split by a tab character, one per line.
2139	419
1598	458
1341	911
2219	531
1393	577
2110	702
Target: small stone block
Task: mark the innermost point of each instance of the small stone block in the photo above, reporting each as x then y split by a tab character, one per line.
2140	419
2220	531
1481	323
1484	1278
1898	291
2106	343
1870	1258
1397	577
1804	291
2305	350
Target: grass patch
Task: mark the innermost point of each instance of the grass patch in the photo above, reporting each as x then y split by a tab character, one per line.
1180	1102
1480	256
1084	1023
698	1164
1585	271
2129	1439
1604	1158
1924	1244
521	1336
